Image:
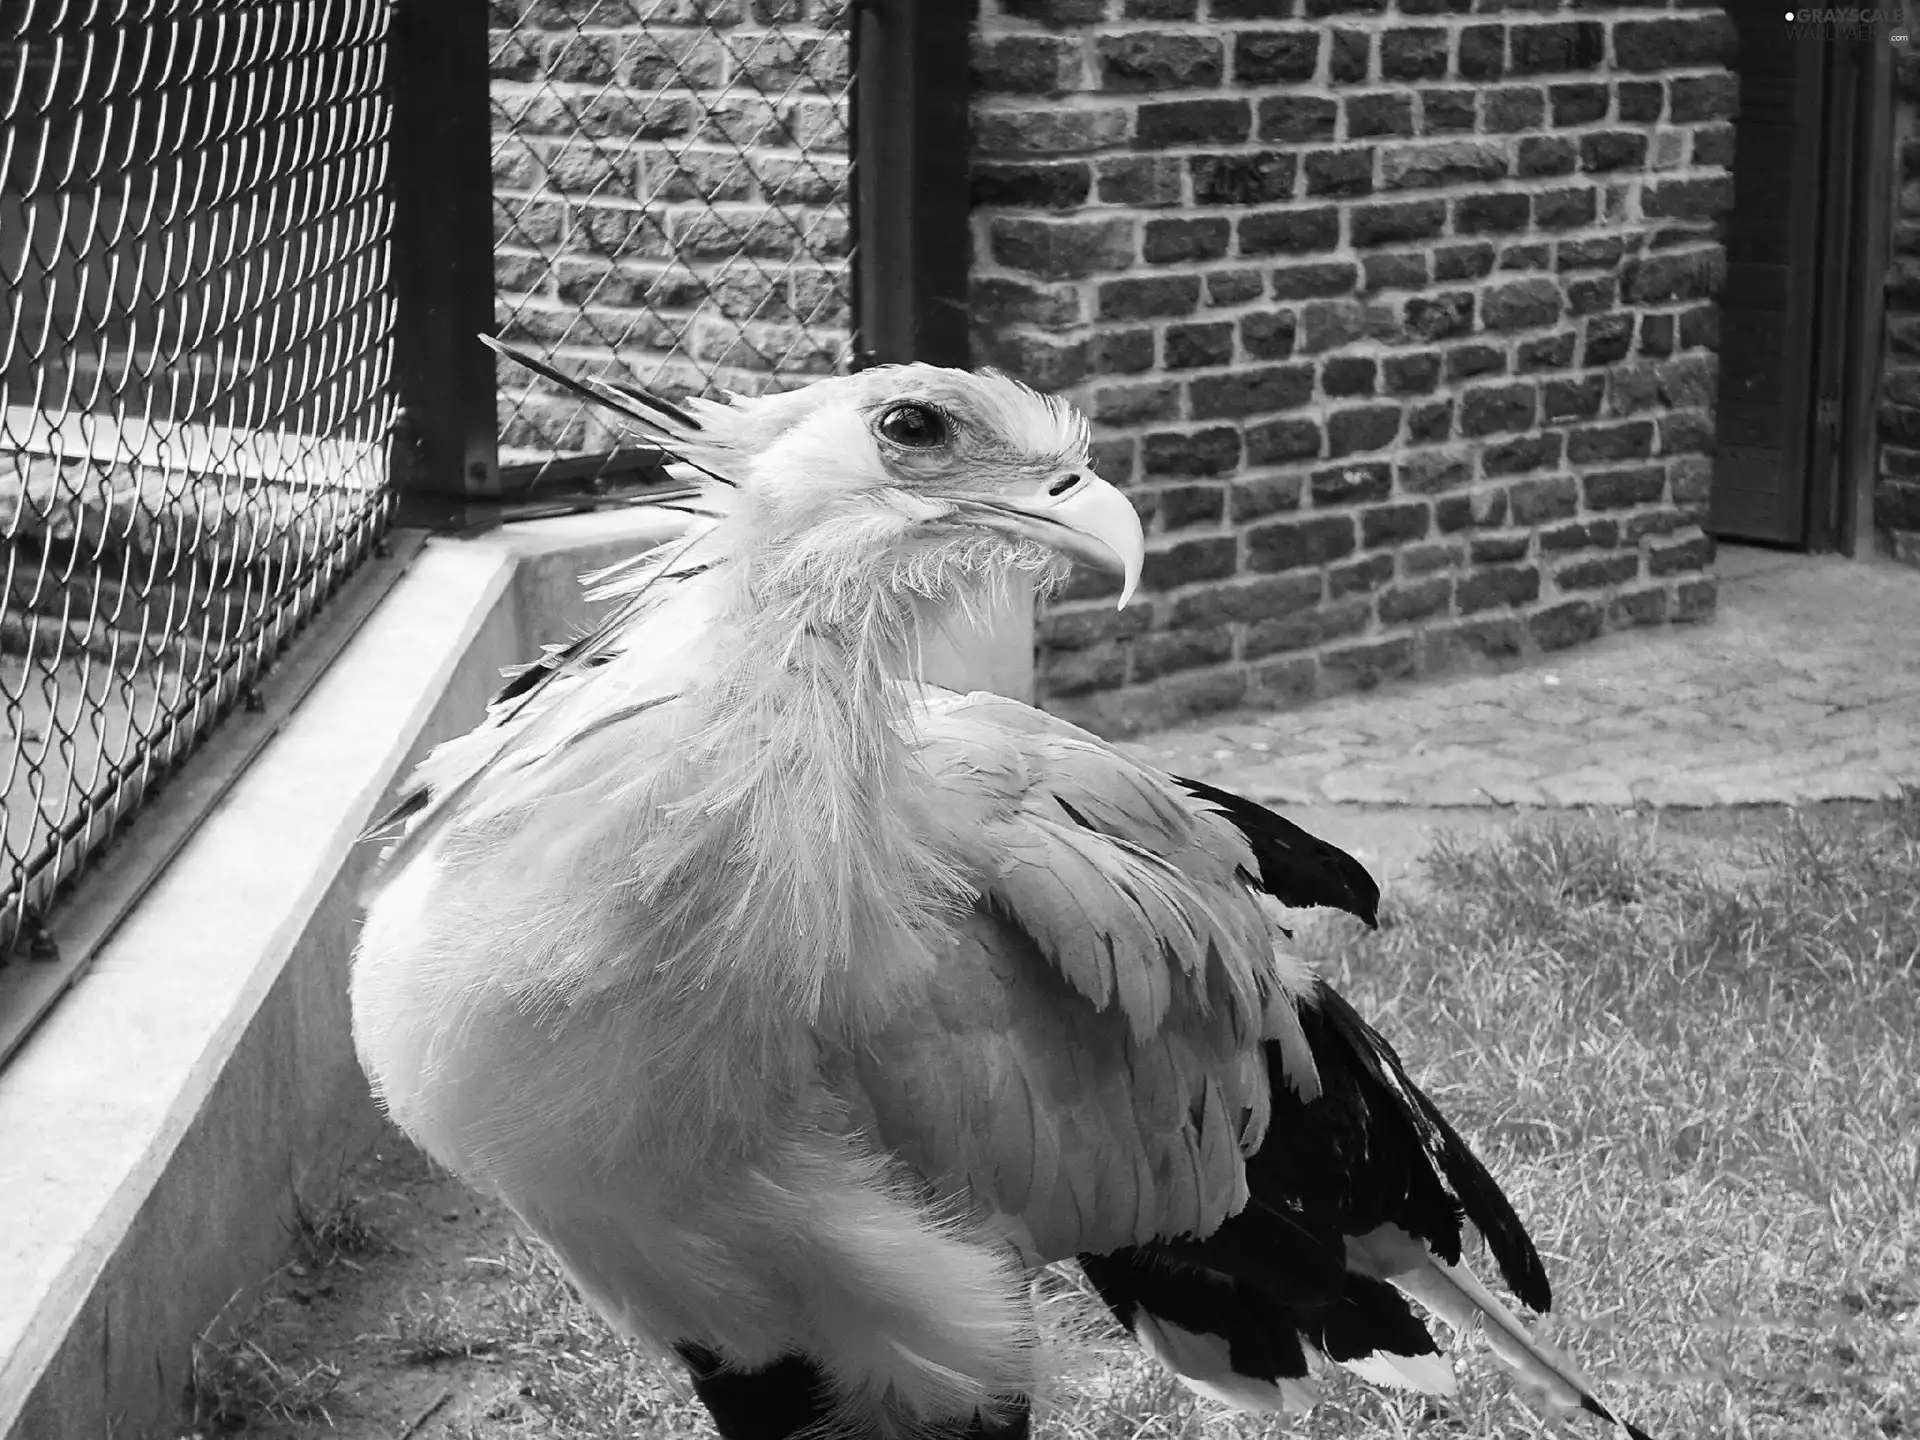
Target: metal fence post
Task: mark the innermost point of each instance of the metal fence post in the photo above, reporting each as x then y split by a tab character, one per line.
446	452
910	141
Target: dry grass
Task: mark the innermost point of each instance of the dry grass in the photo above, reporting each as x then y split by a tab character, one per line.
1698	1089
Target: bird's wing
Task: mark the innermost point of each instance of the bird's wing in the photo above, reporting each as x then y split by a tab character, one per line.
1092	1062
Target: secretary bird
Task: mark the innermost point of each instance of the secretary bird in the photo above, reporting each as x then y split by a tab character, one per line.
806	1009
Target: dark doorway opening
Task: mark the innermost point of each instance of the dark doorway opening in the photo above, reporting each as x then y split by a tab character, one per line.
1800	319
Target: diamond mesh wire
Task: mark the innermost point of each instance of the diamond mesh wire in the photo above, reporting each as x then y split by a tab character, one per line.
195	331
671	200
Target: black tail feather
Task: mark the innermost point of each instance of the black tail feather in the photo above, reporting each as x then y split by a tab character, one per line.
1298	869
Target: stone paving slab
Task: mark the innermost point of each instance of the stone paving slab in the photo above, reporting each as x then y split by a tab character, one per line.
1805	688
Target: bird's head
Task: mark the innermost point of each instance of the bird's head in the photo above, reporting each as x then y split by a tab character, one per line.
924	481
910	485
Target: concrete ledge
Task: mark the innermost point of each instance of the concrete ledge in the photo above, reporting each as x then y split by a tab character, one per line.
155	1129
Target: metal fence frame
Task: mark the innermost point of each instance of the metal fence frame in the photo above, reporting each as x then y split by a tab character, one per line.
908	295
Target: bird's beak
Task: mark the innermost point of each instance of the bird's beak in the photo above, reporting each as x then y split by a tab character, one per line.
1078	514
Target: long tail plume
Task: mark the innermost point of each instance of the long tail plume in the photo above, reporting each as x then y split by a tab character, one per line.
1455	1295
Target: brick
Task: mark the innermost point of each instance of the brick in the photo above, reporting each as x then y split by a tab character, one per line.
1297	119
1212	451
1527	256
1542	155
1448	162
1214	557
1255	391
1689	433
1411	374
1406	271
1281	442
1413	53
1515	108
1345	376
1499	549
1362	667
1703	199
1600	252
1169	241
1192	122
1246	601
1464	362
1638	607
1359	577
1059	14
1184	505
1713	145
1171	651
1300	630
1483	52
1356	483
1689	380
1329	323
1061	249
1700	328
1158	60
1004	300
1446	111
1049	130
1340	172
1564	209
1523	454
1490	409
1578	104
1606	150
1588	444
1522	305
1243	179
1673	44
1275	57
1303	282
1289	232
1290	544
1498	639
1695	600
1369	427
1030	186
1640	102
1158	295
1395	524
1065	673
1415	601
1187	347
1350	59
1425	559
1121	352
1572	399
1025	64
1609	338
1463	262
1268	334
1496	586
1131	404
1558	626
1545	352
1148	181
1432	472
1556	48
1375	115
1285	683
1397	224
1234	287
1620	489
1251	497
1656	335
1580	535
1537	502
1598	572
1430	422
1500	212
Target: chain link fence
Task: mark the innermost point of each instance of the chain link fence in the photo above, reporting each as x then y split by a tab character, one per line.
672	202
195	337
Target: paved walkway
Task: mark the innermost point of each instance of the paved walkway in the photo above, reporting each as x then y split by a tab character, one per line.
1805	688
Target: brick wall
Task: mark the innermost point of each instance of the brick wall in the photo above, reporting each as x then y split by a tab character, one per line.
1396	322
669	185
1896	501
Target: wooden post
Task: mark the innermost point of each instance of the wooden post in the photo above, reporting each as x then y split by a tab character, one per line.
446	451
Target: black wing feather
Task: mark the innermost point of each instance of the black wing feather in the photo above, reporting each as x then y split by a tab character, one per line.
1298	869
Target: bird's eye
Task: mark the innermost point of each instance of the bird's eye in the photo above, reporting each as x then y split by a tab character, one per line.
917	427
